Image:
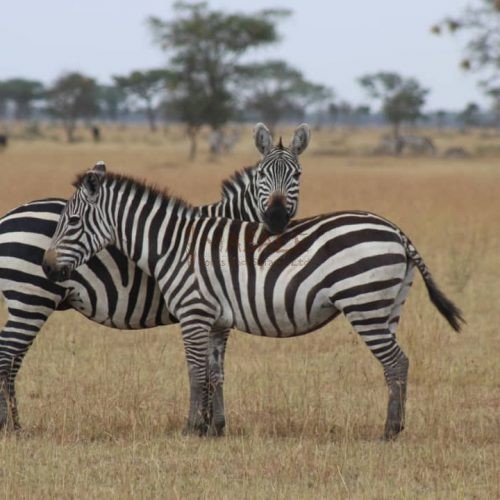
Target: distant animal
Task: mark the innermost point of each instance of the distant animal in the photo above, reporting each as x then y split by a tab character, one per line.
221	141
413	144
96	133
456	152
3	140
417	144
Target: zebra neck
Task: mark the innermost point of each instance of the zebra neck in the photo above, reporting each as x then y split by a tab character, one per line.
238	199
146	226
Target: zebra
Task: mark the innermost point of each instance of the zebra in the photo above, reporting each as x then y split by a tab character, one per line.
110	289
216	274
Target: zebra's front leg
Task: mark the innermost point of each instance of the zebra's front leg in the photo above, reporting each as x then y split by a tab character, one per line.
217	350
195	337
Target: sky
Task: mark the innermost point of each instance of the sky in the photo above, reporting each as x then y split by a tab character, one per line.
332	42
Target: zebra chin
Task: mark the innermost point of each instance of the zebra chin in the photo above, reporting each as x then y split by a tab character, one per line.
57	274
276	217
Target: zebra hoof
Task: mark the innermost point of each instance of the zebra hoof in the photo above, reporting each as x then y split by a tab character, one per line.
216	429
4	412
392	430
198	430
7	422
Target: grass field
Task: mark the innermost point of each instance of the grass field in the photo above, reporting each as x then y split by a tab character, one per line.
102	410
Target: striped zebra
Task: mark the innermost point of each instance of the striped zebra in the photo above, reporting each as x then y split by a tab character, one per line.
216	274
110	289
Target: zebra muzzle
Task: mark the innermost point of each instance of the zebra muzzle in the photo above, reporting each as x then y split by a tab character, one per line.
276	217
52	270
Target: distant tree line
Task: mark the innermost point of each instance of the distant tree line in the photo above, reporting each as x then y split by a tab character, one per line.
208	81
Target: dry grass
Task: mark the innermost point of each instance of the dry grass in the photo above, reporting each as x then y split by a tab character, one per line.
102	410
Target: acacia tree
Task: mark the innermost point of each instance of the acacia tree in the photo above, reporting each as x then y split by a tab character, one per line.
146	87
469	117
204	47
73	96
401	98
276	90
111	101
481	25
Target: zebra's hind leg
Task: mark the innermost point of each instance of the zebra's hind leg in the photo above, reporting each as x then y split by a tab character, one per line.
383	344
396	376
376	322
216	353
396	365
23	324
9	417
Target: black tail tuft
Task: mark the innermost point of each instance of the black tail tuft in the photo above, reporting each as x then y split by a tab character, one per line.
444	305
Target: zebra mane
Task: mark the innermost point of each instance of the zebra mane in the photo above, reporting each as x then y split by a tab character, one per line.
140	187
238	181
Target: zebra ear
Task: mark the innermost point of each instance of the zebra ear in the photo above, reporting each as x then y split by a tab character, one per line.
263	138
301	138
93	180
100	167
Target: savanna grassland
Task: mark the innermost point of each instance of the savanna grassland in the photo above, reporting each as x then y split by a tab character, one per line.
102	410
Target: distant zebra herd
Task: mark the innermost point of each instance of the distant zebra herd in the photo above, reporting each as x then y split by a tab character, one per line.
129	256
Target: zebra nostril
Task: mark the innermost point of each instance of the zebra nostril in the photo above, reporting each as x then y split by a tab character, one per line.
46	268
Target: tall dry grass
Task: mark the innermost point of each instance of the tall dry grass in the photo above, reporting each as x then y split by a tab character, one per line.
102	410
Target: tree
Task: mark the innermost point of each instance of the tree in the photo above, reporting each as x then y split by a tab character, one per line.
204	47
275	90
187	102
146	87
469	117
3	101
482	25
440	118
360	113
73	96
111	101
494	95
22	93
402	98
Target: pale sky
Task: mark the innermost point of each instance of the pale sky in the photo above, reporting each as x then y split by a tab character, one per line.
331	42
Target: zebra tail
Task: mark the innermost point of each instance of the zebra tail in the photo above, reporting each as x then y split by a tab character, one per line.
442	303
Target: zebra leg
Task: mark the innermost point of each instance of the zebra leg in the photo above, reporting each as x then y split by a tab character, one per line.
216	352
16	338
196	339
378	329
396	365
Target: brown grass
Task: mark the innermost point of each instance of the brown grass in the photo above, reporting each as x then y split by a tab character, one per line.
102	410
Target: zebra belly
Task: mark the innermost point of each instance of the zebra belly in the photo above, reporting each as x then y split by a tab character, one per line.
279	321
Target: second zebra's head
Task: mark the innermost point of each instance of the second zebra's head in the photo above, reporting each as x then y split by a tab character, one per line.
72	244
278	176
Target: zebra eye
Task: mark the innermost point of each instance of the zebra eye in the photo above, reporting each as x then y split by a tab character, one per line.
74	220
296	175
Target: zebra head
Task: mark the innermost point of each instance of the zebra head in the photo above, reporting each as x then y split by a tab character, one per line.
81	231
278	176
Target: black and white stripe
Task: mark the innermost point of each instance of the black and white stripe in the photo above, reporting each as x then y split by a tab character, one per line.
110	289
216	274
